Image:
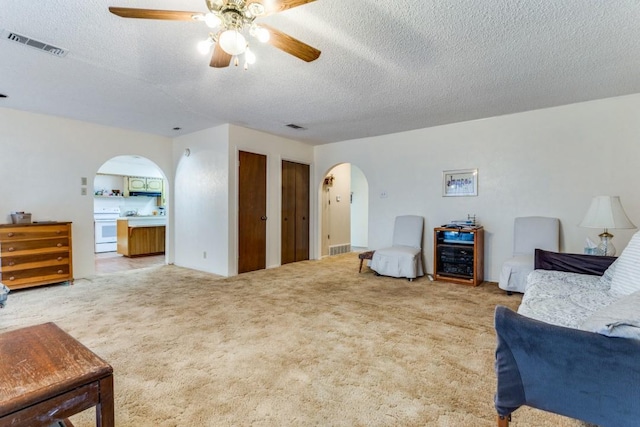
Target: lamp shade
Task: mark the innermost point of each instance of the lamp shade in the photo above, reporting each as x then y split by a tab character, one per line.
606	212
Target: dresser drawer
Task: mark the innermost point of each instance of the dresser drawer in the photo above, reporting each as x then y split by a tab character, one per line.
8	234
35	254
34	246
50	273
13	263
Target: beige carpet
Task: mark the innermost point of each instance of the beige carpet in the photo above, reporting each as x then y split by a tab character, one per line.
307	344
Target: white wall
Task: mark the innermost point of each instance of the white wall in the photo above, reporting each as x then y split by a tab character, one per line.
547	162
276	149
359	209
42	159
201	198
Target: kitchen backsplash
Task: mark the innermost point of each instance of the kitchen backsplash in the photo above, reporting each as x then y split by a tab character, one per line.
143	205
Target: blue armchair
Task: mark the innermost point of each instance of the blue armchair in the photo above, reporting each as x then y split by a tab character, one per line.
579	374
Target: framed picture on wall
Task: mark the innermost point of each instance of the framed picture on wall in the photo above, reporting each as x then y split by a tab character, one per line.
457	183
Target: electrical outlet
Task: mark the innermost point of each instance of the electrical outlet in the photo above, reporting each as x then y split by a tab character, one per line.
83	180
383	195
83	191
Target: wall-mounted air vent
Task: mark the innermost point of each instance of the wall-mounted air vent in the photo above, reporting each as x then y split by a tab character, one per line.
296	127
14	37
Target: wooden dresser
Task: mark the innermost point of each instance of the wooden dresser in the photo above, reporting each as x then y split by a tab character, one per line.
35	254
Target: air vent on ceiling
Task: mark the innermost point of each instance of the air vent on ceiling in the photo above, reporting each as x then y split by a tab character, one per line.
296	127
14	37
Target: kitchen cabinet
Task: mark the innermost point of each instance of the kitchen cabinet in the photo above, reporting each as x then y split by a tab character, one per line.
35	254
144	184
140	237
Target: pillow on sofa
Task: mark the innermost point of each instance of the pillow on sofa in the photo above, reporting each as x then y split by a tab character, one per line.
626	277
607	276
619	319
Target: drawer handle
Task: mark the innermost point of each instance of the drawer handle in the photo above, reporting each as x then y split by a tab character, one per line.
12	278
58	231
11	249
59	258
59	245
10	234
12	263
60	271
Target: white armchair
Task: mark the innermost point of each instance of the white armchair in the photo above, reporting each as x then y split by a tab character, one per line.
529	233
404	257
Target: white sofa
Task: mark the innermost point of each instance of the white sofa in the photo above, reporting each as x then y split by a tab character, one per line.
607	304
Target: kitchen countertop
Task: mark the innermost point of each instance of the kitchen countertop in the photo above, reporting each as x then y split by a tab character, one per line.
144	220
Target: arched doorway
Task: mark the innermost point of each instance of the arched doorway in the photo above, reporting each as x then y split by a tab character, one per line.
345	210
129	191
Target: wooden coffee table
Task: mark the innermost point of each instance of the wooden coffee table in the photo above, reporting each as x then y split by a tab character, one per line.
46	376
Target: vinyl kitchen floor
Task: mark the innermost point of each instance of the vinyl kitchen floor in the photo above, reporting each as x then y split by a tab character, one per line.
112	262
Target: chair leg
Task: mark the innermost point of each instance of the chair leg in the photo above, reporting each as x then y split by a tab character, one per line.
509	293
360	271
504	421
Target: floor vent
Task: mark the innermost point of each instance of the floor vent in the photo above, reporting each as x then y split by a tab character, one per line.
339	249
14	37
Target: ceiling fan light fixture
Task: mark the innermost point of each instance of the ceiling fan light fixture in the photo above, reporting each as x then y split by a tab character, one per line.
204	46
212	20
233	42
256	9
261	33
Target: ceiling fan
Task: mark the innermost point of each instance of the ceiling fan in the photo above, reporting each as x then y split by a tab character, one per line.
229	19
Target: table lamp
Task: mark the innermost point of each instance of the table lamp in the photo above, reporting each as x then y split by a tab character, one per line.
606	212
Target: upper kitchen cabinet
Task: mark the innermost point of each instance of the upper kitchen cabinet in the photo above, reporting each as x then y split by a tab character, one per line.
137	184
154	185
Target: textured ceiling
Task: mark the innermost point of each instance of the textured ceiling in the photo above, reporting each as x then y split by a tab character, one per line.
385	66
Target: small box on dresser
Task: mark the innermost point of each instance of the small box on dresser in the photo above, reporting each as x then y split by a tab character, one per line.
35	254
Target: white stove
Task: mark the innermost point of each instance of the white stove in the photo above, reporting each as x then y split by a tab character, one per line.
106	224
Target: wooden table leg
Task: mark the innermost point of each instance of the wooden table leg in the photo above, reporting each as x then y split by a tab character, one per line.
105	409
361	260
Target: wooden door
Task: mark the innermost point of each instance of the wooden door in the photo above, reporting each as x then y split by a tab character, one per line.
288	216
302	212
252	212
295	212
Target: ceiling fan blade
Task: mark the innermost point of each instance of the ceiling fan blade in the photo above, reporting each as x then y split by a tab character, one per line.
276	6
290	45
220	58
171	15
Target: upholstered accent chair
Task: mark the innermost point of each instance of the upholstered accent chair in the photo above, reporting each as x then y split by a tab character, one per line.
404	257
529	233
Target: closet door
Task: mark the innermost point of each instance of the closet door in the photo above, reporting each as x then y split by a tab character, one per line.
302	212
288	228
252	212
295	212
